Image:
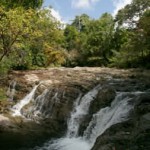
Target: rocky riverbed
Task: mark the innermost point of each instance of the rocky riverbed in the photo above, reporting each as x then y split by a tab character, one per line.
45	117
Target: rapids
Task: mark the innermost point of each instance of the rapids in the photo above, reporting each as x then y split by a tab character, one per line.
101	121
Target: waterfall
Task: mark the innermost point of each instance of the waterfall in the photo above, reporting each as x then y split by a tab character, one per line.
39	102
108	116
43	105
11	90
117	112
16	109
81	108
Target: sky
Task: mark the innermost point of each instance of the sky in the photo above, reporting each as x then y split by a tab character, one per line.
66	10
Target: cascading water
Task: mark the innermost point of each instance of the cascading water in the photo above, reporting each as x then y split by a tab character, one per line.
17	108
43	105
117	112
37	109
71	141
11	90
81	108
102	120
108	116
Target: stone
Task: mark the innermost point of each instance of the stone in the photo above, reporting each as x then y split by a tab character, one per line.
69	83
133	134
104	98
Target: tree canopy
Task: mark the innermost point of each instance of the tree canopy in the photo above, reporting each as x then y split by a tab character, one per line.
24	3
31	37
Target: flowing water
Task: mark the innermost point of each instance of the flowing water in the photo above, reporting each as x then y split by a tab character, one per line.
11	90
17	108
108	116
37	109
43	105
102	120
81	108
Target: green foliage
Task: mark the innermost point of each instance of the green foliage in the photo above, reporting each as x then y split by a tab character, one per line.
132	49
24	3
71	34
15	32
101	42
95	61
55	56
47	41
32	37
92	42
81	22
5	66
132	11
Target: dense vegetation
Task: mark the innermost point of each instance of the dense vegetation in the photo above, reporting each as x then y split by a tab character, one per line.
31	37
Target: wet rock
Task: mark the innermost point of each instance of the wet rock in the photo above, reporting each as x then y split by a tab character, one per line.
133	134
55	102
104	98
145	121
55	109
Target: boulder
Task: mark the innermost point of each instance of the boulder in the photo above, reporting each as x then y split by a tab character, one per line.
133	134
51	122
104	98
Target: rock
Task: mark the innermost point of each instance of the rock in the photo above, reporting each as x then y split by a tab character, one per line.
55	102
18	133
117	137
4	121
146	117
63	86
104	98
145	121
133	134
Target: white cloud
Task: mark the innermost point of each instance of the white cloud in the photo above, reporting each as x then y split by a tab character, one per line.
83	3
56	14
94	1
80	3
119	4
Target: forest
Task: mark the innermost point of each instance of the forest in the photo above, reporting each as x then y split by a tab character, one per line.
31	38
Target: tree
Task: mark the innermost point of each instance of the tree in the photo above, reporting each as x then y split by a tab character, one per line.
15	28
48	40
98	46
81	22
24	3
71	36
134	50
92	45
131	13
15	34
75	37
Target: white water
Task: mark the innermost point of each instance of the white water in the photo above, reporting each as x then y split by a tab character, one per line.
17	108
81	108
11	91
36	111
66	144
108	116
102	120
42	107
